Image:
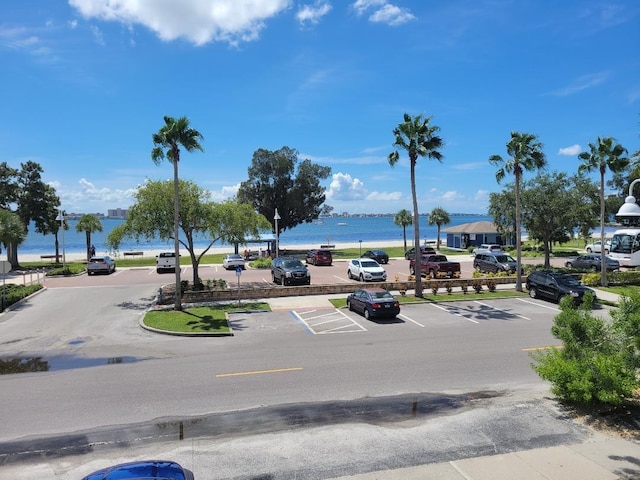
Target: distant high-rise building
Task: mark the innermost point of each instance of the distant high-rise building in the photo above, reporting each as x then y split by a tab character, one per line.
117	213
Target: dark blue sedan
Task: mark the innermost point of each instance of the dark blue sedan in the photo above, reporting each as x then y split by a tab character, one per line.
148	470
373	302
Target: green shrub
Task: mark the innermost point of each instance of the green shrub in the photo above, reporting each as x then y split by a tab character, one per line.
14	293
599	359
262	262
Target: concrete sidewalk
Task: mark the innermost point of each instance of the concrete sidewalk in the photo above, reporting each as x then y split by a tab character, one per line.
601	458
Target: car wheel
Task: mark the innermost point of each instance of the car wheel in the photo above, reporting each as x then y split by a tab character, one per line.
412	270
273	277
367	315
568	265
361	278
432	274
349	274
532	292
588	250
349	305
594	268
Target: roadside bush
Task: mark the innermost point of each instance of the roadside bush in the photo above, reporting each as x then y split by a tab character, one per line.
262	262
14	293
599	359
71	269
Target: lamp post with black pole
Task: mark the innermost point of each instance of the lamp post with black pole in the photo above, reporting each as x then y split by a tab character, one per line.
64	260
277	217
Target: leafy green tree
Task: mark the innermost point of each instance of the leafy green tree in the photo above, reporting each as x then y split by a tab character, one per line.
544	210
599	359
403	219
502	209
418	138
174	134
439	216
584	206
230	221
274	184
525	153
604	154
88	224
12	230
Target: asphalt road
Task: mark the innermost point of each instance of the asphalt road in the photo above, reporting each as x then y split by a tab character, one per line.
286	373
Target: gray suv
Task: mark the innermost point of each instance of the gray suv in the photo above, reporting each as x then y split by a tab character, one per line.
494	263
289	271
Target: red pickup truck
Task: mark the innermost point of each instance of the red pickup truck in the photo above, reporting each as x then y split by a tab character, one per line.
436	266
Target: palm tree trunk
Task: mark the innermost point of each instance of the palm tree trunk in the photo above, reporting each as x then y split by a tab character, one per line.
404	236
176	222
88	238
518	233
438	242
416	230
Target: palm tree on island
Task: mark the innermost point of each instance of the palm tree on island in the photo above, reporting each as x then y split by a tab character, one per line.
174	134
418	138
525	152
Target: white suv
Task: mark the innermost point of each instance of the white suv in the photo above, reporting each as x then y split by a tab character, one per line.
166	262
487	248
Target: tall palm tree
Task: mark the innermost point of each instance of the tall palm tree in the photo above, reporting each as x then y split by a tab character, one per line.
440	217
605	154
403	219
525	152
88	224
418	138
175	133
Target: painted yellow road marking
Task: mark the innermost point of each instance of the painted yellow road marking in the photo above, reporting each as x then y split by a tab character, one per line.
258	372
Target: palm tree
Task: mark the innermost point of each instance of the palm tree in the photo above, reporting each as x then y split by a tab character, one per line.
403	219
440	217
605	154
174	134
526	154
418	138
12	230
88	224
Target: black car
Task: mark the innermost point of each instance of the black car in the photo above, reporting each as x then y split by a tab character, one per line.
373	302
409	254
592	262
379	256
289	271
554	286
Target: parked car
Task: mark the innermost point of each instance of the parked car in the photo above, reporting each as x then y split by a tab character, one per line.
366	270
379	256
411	253
101	265
593	261
487	248
373	302
596	247
319	256
233	261
554	286
147	469
495	263
436	266
289	271
166	262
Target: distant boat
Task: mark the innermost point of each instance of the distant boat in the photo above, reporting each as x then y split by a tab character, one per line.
318	222
341	224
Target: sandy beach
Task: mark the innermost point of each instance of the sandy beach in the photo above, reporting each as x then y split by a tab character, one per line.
79	256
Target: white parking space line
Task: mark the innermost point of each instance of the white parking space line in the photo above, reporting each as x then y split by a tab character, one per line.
538	304
501	310
317	324
410	320
453	313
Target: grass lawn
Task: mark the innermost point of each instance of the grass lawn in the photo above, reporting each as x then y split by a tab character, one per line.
207	319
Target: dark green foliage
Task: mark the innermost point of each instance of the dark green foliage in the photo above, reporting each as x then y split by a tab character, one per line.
598	361
13	293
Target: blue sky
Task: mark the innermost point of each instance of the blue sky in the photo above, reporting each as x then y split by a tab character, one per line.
85	83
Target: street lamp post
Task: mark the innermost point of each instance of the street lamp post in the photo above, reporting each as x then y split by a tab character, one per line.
64	260
277	217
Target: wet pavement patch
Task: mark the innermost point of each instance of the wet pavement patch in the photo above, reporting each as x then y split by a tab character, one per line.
14	365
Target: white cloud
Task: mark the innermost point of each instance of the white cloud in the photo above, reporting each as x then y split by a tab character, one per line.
570	151
313	13
225	193
198	21
383	12
97	35
384	196
345	188
582	83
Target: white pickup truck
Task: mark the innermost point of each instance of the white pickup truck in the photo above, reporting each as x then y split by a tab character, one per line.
166	262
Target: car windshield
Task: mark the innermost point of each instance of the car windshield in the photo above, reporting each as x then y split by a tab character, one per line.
292	263
369	263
